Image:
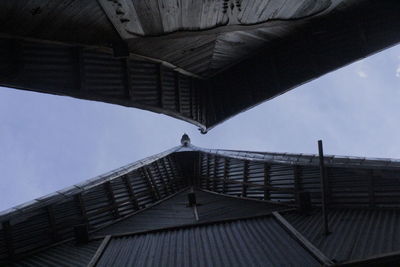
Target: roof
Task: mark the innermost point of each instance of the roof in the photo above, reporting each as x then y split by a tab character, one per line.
151	196
183	60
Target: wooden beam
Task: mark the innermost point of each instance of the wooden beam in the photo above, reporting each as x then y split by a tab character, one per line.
177	92
52	223
96	257
111	198
267	181
245	177
164	166
226	174
316	253
8	239
131	194
160	85
323	188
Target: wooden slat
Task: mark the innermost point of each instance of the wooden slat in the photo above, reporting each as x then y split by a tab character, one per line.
153	183
96	257
150	186
317	254
297	181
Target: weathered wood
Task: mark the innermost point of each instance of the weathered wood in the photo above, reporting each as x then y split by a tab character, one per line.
267	178
167	189
96	257
323	188
8	239
317	254
52	223
164	166
245	177
131	194
208	173
111	198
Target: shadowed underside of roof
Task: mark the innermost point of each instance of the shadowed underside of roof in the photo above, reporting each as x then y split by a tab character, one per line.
199	61
151	197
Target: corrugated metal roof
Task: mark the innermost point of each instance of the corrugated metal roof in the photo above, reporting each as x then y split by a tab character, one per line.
175	212
356	234
255	242
304	159
67	254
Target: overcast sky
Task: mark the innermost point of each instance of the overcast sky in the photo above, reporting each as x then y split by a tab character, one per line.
50	142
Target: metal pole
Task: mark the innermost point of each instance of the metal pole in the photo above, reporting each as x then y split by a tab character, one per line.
323	188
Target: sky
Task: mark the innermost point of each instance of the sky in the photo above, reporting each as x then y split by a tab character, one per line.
50	142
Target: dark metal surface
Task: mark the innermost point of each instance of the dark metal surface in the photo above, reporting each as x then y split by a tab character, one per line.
256	242
176	211
230	55
355	234
68	254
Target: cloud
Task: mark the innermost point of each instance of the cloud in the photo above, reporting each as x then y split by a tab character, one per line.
362	74
398	71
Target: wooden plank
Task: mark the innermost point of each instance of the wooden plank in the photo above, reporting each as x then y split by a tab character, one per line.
167	189
208	172
131	194
99	252
245	177
111	198
8	239
317	254
267	181
164	166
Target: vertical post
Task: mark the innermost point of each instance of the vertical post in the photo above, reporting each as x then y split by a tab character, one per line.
323	188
